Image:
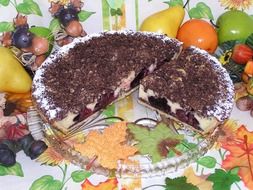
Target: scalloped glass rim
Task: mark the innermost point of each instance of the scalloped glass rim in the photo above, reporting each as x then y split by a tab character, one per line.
143	169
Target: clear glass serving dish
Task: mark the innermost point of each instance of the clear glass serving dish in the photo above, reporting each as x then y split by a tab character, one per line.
141	165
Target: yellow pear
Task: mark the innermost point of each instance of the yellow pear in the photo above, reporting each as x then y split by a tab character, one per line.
166	22
13	77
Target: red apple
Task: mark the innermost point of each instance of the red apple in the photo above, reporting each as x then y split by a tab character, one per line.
242	53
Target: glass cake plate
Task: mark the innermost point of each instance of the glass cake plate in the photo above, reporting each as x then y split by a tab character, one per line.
140	165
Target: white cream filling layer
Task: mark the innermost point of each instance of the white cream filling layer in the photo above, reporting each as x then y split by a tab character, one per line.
91	106
66	122
124	86
145	95
205	123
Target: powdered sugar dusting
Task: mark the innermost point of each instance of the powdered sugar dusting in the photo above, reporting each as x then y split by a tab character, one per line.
223	105
40	92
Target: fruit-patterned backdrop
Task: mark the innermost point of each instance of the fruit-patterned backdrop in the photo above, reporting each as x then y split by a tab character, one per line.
226	166
134	12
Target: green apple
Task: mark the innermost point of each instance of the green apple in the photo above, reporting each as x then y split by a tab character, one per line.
234	25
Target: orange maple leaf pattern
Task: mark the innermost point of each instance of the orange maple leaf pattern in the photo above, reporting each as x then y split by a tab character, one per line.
241	155
242	131
108	147
109	184
199	181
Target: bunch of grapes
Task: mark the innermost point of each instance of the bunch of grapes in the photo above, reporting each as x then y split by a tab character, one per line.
67	15
31	147
22	38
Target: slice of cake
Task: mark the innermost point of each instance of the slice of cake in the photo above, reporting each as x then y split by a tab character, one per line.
92	72
195	89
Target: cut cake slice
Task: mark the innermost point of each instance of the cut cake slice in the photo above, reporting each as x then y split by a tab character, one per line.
195	89
94	71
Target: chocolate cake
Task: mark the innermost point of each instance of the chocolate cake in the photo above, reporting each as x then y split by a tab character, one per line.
194	89
94	71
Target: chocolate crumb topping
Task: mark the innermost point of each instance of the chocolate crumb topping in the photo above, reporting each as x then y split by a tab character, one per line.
196	81
87	70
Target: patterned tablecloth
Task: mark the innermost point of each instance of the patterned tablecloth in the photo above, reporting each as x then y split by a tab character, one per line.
227	165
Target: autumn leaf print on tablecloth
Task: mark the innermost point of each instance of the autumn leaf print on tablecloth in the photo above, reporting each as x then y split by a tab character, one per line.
227	133
51	157
15	170
55	154
241	155
179	183
109	184
155	142
222	179
108	146
199	181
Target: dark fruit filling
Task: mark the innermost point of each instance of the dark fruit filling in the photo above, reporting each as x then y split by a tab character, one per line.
104	100
86	112
67	15
186	117
182	115
91	70
193	121
138	78
22	38
159	103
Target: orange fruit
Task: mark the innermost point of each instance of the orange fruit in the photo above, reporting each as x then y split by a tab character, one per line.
198	33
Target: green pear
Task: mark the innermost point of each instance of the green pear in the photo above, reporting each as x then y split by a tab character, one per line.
13	77
166	22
